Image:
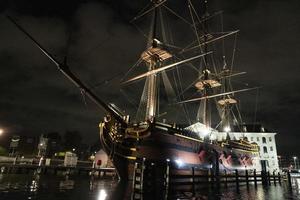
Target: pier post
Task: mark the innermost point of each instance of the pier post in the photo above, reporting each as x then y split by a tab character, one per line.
255	178
225	175
193	180
274	178
289	179
269	178
247	178
237	178
279	178
167	179
264	176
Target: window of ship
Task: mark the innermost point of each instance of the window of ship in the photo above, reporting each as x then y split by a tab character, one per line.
271	148
264	140
270	139
265	149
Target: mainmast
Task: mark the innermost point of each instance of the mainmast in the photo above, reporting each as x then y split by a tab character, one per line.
153	57
206	82
151	105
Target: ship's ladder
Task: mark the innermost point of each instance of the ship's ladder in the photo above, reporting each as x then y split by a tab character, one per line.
138	180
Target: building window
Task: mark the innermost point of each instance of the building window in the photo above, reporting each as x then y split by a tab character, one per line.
264	140
271	148
265	149
270	139
251	139
257	139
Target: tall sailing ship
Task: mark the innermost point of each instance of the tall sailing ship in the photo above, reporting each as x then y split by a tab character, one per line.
156	136
149	136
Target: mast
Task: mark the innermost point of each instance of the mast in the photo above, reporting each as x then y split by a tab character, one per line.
151	105
153	57
206	118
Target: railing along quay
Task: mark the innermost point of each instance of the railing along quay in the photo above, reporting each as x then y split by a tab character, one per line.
8	168
199	176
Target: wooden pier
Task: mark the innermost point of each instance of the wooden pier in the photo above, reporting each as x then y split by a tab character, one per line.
55	169
196	176
150	177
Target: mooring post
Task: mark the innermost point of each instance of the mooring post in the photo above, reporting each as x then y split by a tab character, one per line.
264	177
255	178
209	175
289	179
217	169
274	178
247	178
237	178
279	178
269	178
167	178
193	179
225	175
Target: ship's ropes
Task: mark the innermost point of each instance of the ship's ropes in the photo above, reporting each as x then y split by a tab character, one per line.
138	179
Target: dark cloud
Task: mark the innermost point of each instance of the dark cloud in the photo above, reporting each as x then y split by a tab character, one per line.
99	42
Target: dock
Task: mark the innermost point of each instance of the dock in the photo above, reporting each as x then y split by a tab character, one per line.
6	168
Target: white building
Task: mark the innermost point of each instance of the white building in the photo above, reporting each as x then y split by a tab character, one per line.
265	140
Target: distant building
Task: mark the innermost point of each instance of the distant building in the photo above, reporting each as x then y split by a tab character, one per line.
42	146
254	133
54	143
23	145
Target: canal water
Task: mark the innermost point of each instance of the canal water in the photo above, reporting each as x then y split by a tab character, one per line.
50	187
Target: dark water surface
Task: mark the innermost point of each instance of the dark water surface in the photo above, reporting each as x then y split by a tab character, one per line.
46	187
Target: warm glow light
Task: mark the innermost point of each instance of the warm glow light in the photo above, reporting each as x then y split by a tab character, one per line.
1	131
227	129
205	131
179	162
102	195
295	157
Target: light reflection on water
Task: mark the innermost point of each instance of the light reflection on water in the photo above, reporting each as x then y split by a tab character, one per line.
46	187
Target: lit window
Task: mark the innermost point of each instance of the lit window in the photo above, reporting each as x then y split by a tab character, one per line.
264	140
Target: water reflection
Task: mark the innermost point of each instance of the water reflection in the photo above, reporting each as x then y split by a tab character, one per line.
102	194
34	183
66	184
47	187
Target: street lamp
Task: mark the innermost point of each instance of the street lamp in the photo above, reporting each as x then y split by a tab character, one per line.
295	158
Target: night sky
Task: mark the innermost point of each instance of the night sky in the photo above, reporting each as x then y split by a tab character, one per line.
99	43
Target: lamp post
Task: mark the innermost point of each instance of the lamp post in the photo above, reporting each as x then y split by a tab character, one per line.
295	161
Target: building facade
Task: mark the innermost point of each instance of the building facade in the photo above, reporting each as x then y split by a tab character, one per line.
254	133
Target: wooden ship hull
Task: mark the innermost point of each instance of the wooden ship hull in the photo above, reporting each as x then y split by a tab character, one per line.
161	144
